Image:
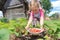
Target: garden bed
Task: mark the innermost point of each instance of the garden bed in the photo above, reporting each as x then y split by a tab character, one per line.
17	28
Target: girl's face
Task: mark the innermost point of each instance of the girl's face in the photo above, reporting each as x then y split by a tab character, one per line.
34	7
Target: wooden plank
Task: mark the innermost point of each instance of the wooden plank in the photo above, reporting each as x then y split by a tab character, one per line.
16	6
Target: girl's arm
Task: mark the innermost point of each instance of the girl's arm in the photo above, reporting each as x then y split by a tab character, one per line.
29	22
42	17
41	21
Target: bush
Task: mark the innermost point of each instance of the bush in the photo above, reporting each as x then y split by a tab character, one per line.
5	20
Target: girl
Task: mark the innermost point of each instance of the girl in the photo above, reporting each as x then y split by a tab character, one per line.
36	14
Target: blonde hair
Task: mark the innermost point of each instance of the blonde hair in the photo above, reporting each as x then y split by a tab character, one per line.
34	3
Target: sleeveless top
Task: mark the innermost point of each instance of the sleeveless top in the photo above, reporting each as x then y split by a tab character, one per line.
37	15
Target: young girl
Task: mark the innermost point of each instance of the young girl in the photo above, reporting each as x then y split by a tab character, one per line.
36	14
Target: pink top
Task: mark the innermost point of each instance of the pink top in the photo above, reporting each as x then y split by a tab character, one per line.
41	13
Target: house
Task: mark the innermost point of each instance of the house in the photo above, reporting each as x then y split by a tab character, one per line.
13	9
55	16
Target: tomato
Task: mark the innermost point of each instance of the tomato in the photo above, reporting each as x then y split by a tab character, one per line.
34	30
38	30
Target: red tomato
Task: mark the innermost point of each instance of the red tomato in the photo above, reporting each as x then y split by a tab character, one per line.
34	30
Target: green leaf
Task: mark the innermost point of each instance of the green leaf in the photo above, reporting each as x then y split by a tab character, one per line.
4	34
58	35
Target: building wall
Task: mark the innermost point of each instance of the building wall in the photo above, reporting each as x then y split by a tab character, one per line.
10	3
14	13
14	9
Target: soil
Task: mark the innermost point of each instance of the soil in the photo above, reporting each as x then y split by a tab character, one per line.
28	37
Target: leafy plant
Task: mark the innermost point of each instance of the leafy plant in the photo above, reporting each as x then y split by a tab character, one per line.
4	34
18	27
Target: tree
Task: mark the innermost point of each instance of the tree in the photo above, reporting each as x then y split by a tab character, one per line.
46	5
2	2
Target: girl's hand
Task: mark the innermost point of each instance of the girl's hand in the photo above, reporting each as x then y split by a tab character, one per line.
26	27
42	29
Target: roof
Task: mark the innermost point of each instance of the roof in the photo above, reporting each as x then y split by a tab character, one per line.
11	3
